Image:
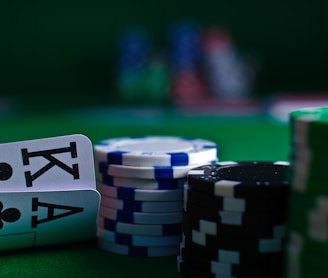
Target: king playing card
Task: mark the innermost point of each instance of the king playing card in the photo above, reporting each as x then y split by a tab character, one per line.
57	163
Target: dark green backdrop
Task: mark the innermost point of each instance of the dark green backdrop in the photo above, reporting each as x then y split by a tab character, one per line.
61	52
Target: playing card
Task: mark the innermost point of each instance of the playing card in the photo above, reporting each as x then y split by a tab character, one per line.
29	219
57	163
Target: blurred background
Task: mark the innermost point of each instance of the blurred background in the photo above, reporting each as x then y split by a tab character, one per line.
222	54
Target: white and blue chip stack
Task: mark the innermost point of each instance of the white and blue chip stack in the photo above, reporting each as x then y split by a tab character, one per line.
141	180
234	220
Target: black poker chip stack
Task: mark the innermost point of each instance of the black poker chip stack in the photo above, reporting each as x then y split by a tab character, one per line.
234	220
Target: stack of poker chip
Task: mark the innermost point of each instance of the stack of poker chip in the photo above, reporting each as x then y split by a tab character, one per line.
234	220
307	233
184	61
141	180
229	77
133	51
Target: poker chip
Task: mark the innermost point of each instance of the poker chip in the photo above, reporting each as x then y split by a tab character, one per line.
138	251
238	256
301	263
155	151
141	180
193	225
259	245
312	244
141	217
307	230
140	194
302	259
104	178
241	179
306	173
140	206
138	240
138	229
308	123
143	172
188	270
234	204
234	219
228	269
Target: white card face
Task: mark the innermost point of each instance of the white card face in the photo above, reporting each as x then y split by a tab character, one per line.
30	219
56	163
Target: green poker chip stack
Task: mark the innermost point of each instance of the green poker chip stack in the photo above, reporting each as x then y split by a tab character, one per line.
307	225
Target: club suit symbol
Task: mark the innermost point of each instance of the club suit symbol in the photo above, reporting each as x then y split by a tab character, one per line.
6	171
8	215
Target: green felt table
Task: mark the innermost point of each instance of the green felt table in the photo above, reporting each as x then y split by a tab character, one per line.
239	138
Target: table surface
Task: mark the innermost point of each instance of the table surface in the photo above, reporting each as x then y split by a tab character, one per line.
238	138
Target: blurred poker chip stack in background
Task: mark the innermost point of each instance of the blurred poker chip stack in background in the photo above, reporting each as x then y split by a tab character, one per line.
195	66
184	59
228	75
133	51
307	233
